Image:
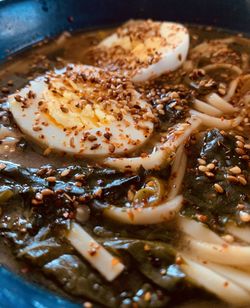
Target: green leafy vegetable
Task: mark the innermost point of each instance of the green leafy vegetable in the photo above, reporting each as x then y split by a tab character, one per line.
218	148
154	259
79	279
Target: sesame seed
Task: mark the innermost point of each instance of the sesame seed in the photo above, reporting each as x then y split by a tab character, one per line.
2	166
201	161
240	144
218	188
228	238
242	179
51	179
92	138
178	260
244	216
231	178
36	202
209	174
47	192
203	168
147	296
201	218
211	166
235	170
245	157
240	151
39	196
163	271
18	98
240	206
240	138
64	109
65	172
5	90
79	177
36	128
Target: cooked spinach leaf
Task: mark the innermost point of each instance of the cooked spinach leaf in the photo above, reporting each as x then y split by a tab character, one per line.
202	199
156	260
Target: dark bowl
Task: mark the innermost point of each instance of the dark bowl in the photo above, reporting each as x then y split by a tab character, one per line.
25	22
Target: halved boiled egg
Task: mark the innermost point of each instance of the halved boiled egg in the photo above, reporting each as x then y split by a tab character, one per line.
83	110
144	49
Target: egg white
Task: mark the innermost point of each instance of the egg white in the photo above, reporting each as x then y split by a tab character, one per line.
87	131
170	47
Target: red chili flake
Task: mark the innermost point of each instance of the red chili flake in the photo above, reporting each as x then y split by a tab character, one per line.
107	135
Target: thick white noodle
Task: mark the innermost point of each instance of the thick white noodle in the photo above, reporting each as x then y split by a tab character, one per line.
226	254
147	215
198	231
219	123
219	103
177	172
242	233
232	67
231	89
214	282
236	275
162	155
106	264
206	108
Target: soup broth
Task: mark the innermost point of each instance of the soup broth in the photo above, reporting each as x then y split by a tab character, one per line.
165	262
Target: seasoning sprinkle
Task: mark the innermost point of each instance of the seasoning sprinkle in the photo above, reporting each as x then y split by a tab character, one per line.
235	170
218	188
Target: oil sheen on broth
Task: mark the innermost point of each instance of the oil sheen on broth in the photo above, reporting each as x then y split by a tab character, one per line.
174	229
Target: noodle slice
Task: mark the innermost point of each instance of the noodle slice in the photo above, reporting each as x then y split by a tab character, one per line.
206	108
109	266
198	231
215	283
219	103
177	172
219	123
223	254
231	89
147	215
237	276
